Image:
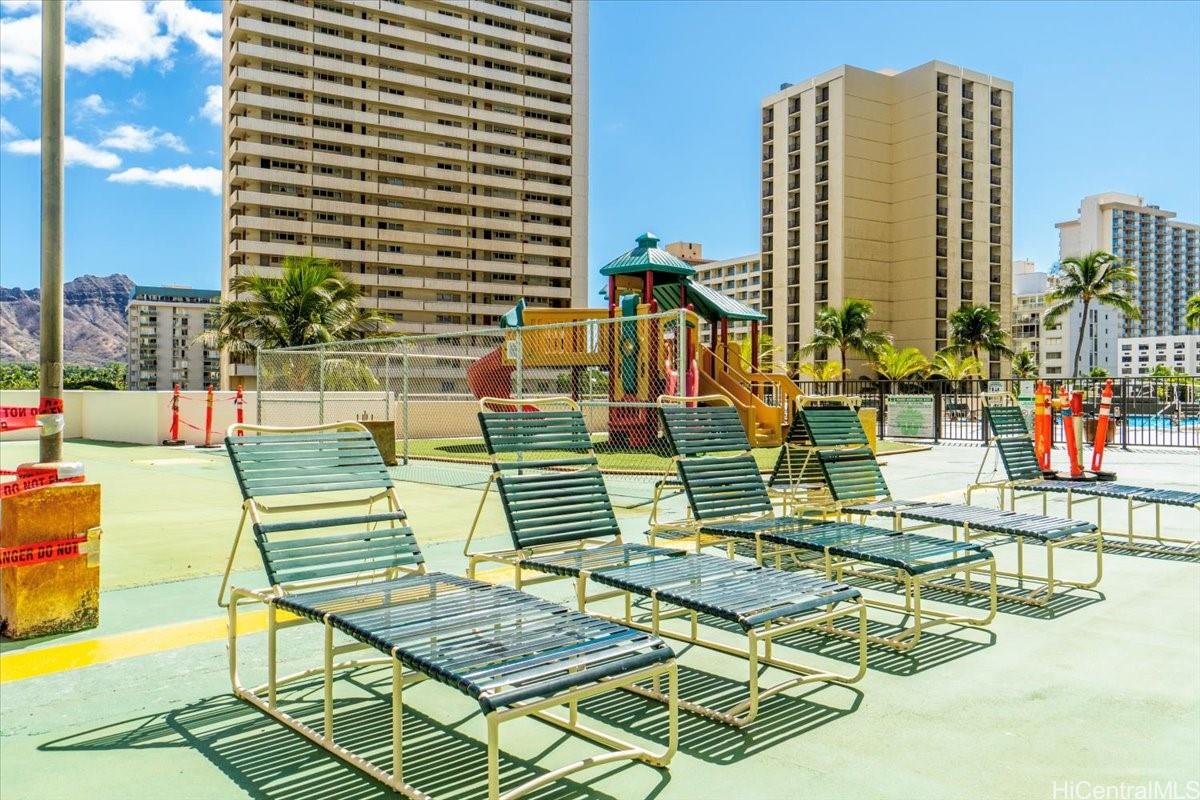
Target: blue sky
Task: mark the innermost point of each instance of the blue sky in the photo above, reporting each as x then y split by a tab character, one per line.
1107	97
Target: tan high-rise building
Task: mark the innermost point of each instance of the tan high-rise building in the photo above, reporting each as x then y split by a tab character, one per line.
436	151
892	187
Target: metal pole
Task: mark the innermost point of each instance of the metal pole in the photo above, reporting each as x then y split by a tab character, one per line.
258	387
321	386
51	351
404	396
387	386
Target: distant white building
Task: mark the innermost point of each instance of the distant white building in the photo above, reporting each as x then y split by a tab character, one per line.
1054	346
165	323
1141	354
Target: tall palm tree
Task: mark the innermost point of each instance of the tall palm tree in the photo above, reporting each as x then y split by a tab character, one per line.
766	352
955	366
311	303
1191	317
896	365
1095	277
973	328
846	329
1024	365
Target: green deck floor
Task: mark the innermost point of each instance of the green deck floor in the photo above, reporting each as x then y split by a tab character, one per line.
1102	689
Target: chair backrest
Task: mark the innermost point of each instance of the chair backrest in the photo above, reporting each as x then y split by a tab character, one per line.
1013	442
853	474
300	462
553	492
695	430
716	486
834	426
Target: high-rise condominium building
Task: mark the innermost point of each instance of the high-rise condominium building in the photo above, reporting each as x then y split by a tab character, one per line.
891	187
1165	252
436	151
739	278
165	324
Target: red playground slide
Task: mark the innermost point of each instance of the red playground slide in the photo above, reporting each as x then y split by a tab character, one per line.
490	376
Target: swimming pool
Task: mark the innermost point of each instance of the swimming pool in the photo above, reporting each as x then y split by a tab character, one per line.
1151	421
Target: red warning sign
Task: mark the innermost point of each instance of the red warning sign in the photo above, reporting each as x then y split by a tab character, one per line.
14	418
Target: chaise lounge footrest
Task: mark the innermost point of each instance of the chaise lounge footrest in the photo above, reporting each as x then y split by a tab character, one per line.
494	643
1122	491
1008	523
571	563
913	553
742	593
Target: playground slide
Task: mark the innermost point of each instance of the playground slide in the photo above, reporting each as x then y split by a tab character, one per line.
763	422
490	376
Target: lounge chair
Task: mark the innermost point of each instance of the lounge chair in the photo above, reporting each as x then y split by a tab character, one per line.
1023	478
337	551
563	526
796	478
728	502
859	490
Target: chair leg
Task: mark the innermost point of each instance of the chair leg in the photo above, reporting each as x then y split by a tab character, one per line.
397	720
328	671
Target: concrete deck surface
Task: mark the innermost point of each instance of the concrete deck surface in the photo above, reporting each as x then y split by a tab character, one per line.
1101	689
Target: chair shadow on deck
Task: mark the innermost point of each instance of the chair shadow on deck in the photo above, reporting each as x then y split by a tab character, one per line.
267	760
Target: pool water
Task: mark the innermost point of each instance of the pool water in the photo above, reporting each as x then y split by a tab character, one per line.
1149	421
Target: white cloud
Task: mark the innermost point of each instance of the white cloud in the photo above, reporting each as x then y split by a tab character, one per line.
141	140
201	28
74	151
211	110
112	35
7	128
91	106
19	5
207	179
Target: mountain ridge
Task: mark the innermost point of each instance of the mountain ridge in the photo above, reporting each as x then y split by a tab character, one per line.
95	328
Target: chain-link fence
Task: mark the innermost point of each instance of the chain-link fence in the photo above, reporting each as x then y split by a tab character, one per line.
423	392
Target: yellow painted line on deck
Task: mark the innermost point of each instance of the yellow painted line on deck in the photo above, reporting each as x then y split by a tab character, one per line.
40	661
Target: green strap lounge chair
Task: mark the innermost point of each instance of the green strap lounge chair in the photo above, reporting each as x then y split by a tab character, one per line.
728	502
858	489
338	552
562	525
796	478
1023	478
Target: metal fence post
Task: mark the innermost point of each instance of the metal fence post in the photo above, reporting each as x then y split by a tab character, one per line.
387	382
937	411
258	387
1125	415
519	375
321	385
880	428
404	395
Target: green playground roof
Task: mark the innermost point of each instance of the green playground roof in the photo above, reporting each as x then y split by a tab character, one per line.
708	303
647	256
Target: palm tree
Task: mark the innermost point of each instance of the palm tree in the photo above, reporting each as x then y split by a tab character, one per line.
896	365
846	330
766	352
1191	317
311	303
821	373
1095	277
978	327
956	367
1097	372
1024	365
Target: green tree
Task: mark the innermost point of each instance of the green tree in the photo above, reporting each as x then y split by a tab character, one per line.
766	351
19	375
846	329
1096	277
1024	365
1097	372
312	303
974	328
896	365
1162	371
955	366
1191	317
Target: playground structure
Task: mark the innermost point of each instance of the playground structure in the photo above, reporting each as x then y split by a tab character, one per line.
639	358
